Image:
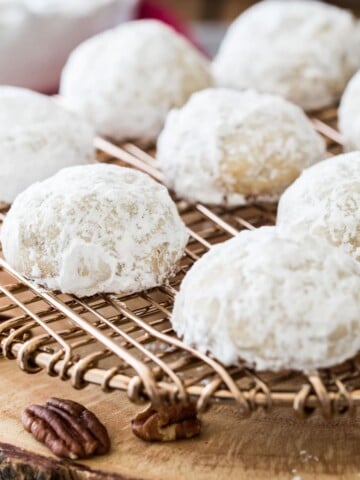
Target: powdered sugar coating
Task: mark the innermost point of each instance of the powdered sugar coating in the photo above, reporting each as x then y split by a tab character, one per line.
37	138
126	80
325	201
276	300
227	147
95	228
349	114
305	51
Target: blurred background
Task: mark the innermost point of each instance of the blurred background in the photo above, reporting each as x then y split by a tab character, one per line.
226	10
209	18
37	36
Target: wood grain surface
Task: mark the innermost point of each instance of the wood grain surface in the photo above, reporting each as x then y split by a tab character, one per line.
275	445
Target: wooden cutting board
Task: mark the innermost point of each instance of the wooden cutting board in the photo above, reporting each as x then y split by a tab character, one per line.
265	446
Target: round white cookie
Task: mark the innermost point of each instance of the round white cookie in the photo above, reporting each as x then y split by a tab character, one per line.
305	51
349	114
230	147
275	300
95	228
125	80
325	201
37	138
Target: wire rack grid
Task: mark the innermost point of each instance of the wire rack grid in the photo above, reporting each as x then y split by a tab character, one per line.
126	342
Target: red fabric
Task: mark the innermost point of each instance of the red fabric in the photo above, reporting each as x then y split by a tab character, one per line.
156	10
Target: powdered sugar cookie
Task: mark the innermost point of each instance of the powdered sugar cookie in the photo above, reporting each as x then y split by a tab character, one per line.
305	51
349	114
95	228
229	147
273	299
325	201
125	80
37	138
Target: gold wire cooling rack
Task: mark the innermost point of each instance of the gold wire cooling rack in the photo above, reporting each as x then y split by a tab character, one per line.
126	342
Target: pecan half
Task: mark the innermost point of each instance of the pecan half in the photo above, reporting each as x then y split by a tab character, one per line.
67	428
173	423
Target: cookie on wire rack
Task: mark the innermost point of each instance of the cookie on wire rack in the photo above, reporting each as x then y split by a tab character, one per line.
304	50
349	114
273	299
37	139
325	201
226	147
95	228
125	80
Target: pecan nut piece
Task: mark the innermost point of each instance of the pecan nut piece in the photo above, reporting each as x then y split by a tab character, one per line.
67	428
173	423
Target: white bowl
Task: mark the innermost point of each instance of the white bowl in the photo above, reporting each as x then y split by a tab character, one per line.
36	36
